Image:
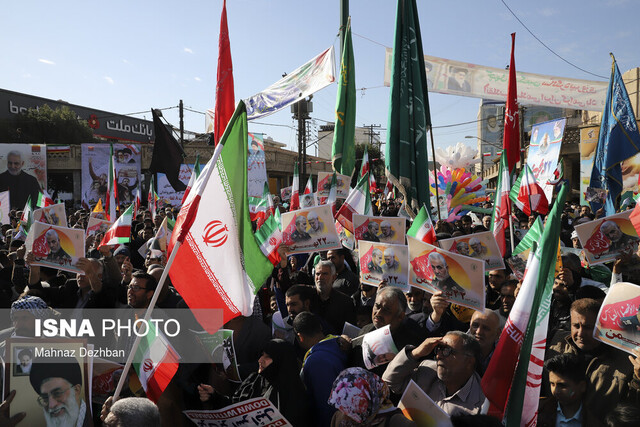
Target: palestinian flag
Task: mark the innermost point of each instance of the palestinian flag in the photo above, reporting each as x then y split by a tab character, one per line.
358	202
527	194
155	362
422	227
120	231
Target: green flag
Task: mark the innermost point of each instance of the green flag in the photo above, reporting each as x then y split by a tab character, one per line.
409	117
343	152
533	235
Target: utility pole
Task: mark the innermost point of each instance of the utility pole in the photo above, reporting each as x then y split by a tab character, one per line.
300	111
181	123
344	17
373	134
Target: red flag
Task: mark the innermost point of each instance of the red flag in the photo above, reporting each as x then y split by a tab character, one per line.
511	139
225	98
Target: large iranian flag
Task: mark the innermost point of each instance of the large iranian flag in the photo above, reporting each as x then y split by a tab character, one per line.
527	194
155	362
219	263
358	201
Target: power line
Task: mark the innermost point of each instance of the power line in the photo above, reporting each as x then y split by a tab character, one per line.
548	48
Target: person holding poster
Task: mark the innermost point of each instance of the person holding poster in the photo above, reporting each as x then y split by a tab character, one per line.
20	184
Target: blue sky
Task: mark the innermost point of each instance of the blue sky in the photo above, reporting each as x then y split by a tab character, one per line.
130	56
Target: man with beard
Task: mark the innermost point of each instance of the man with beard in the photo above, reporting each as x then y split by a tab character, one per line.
443	281
20	184
58	382
450	380
56	253
371	235
25	358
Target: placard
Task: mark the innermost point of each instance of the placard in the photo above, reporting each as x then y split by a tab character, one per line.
256	412
479	245
604	239
343	183
618	323
460	278
544	149
56	247
383	261
54	215
379	229
28	164
378	347
309	230
417	406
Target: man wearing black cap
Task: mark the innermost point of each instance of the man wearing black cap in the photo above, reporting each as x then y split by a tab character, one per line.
58	382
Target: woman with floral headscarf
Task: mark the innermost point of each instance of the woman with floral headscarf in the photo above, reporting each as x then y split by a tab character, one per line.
362	399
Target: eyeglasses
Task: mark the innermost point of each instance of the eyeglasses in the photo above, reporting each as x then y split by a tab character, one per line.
446	351
135	288
57	394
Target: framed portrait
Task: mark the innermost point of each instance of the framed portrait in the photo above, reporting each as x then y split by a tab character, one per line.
55	390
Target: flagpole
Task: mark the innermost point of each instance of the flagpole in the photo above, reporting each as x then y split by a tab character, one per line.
164	275
435	173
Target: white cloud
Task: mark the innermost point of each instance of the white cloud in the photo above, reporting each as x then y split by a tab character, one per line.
186	49
108	79
198	79
46	61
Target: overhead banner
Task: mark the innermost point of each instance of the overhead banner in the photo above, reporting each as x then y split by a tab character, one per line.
544	151
95	171
477	81
316	74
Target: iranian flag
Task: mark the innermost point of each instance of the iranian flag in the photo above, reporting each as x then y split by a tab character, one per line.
44	200
195	173
527	194
294	203
309	187
559	173
358	202
514	374
120	231
111	196
152	198
155	362
501	207
219	263
388	190
137	202
27	215
422	227
269	237
364	168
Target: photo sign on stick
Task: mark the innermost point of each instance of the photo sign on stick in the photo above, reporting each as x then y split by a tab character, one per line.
460	278
479	245
324	185
379	229
309	230
604	239
383	261
618	321
56	247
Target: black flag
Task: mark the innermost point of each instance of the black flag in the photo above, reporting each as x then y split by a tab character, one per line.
167	154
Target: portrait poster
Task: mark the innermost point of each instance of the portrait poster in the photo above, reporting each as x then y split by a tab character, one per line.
308	200
604	239
97	226
255	412
460	278
220	348
378	347
95	171
544	151
52	361
309	230
29	161
166	193
478	245
384	261
379	229
54	215
56	247
618	322
417	406
256	165
346	237
343	183
588	143
285	193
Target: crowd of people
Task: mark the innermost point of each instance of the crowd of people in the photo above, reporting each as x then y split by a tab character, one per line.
294	351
